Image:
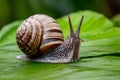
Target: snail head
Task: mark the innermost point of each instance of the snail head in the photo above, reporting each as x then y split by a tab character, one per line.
75	40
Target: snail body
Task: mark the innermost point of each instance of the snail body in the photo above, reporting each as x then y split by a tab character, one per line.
41	40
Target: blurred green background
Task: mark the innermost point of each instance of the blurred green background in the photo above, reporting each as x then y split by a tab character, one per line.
11	10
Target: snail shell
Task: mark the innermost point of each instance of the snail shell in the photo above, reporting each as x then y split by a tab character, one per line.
38	34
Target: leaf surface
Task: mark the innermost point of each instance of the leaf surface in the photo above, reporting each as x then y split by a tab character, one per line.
100	52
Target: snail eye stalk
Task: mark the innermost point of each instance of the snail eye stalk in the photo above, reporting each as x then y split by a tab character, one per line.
70	24
79	26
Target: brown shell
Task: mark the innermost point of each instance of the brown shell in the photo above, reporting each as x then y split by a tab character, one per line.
38	34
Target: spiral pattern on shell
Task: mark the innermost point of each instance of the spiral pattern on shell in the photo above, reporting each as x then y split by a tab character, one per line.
38	34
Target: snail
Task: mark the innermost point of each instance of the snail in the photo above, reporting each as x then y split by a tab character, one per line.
41	40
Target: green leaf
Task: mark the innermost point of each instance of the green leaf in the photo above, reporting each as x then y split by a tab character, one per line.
100	52
8	33
116	20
